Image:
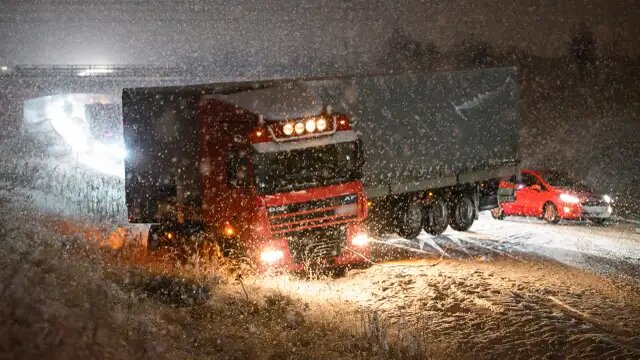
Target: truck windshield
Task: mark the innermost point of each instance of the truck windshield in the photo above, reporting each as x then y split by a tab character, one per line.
305	168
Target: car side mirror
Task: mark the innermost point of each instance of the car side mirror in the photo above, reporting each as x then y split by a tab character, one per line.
536	187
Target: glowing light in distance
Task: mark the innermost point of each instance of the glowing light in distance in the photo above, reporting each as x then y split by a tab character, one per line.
96	71
299	128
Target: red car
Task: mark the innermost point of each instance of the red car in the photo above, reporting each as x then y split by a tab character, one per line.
553	195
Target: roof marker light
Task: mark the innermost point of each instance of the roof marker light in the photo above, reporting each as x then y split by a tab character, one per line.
310	125
287	129
321	124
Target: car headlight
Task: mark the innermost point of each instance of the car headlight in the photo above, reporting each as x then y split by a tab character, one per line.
570	199
607	199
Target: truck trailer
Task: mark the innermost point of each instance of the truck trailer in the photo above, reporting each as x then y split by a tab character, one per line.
261	168
435	144
295	171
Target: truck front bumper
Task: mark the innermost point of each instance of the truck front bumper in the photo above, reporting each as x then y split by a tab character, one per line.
276	253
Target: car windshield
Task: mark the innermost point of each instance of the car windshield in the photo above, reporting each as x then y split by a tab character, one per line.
563	179
309	167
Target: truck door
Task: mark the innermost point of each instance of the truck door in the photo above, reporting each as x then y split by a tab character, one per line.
239	210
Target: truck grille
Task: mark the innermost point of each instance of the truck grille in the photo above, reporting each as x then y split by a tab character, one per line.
317	244
290	218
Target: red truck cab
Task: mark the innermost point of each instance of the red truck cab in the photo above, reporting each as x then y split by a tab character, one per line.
279	176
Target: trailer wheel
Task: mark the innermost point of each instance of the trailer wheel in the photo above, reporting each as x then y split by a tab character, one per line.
436	217
463	213
410	220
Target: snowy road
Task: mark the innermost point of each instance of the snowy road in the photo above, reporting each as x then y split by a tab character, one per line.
612	249
518	288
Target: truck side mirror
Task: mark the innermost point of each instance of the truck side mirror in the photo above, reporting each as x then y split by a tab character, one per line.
536	187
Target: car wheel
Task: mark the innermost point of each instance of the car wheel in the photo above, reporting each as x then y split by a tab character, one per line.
410	223
498	213
436	217
463	213
550	213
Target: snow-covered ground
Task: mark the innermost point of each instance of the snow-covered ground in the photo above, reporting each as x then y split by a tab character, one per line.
518	288
614	248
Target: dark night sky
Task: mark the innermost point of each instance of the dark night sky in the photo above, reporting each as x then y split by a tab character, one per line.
267	32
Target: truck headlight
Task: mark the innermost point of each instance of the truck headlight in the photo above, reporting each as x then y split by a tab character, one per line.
607	199
360	240
271	256
570	199
299	128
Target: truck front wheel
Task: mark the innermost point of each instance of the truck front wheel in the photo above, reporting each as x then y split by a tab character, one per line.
436	217
410	220
462	214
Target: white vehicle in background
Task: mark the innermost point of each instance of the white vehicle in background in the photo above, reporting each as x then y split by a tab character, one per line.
85	129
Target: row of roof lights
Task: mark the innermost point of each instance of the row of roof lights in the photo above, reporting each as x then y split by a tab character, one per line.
309	125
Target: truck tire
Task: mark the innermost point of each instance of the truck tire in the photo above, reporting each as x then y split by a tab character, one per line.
436	217
410	220
462	213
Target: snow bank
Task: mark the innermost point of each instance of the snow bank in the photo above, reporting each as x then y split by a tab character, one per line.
57	187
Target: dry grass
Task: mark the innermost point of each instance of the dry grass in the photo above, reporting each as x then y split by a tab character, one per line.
63	295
